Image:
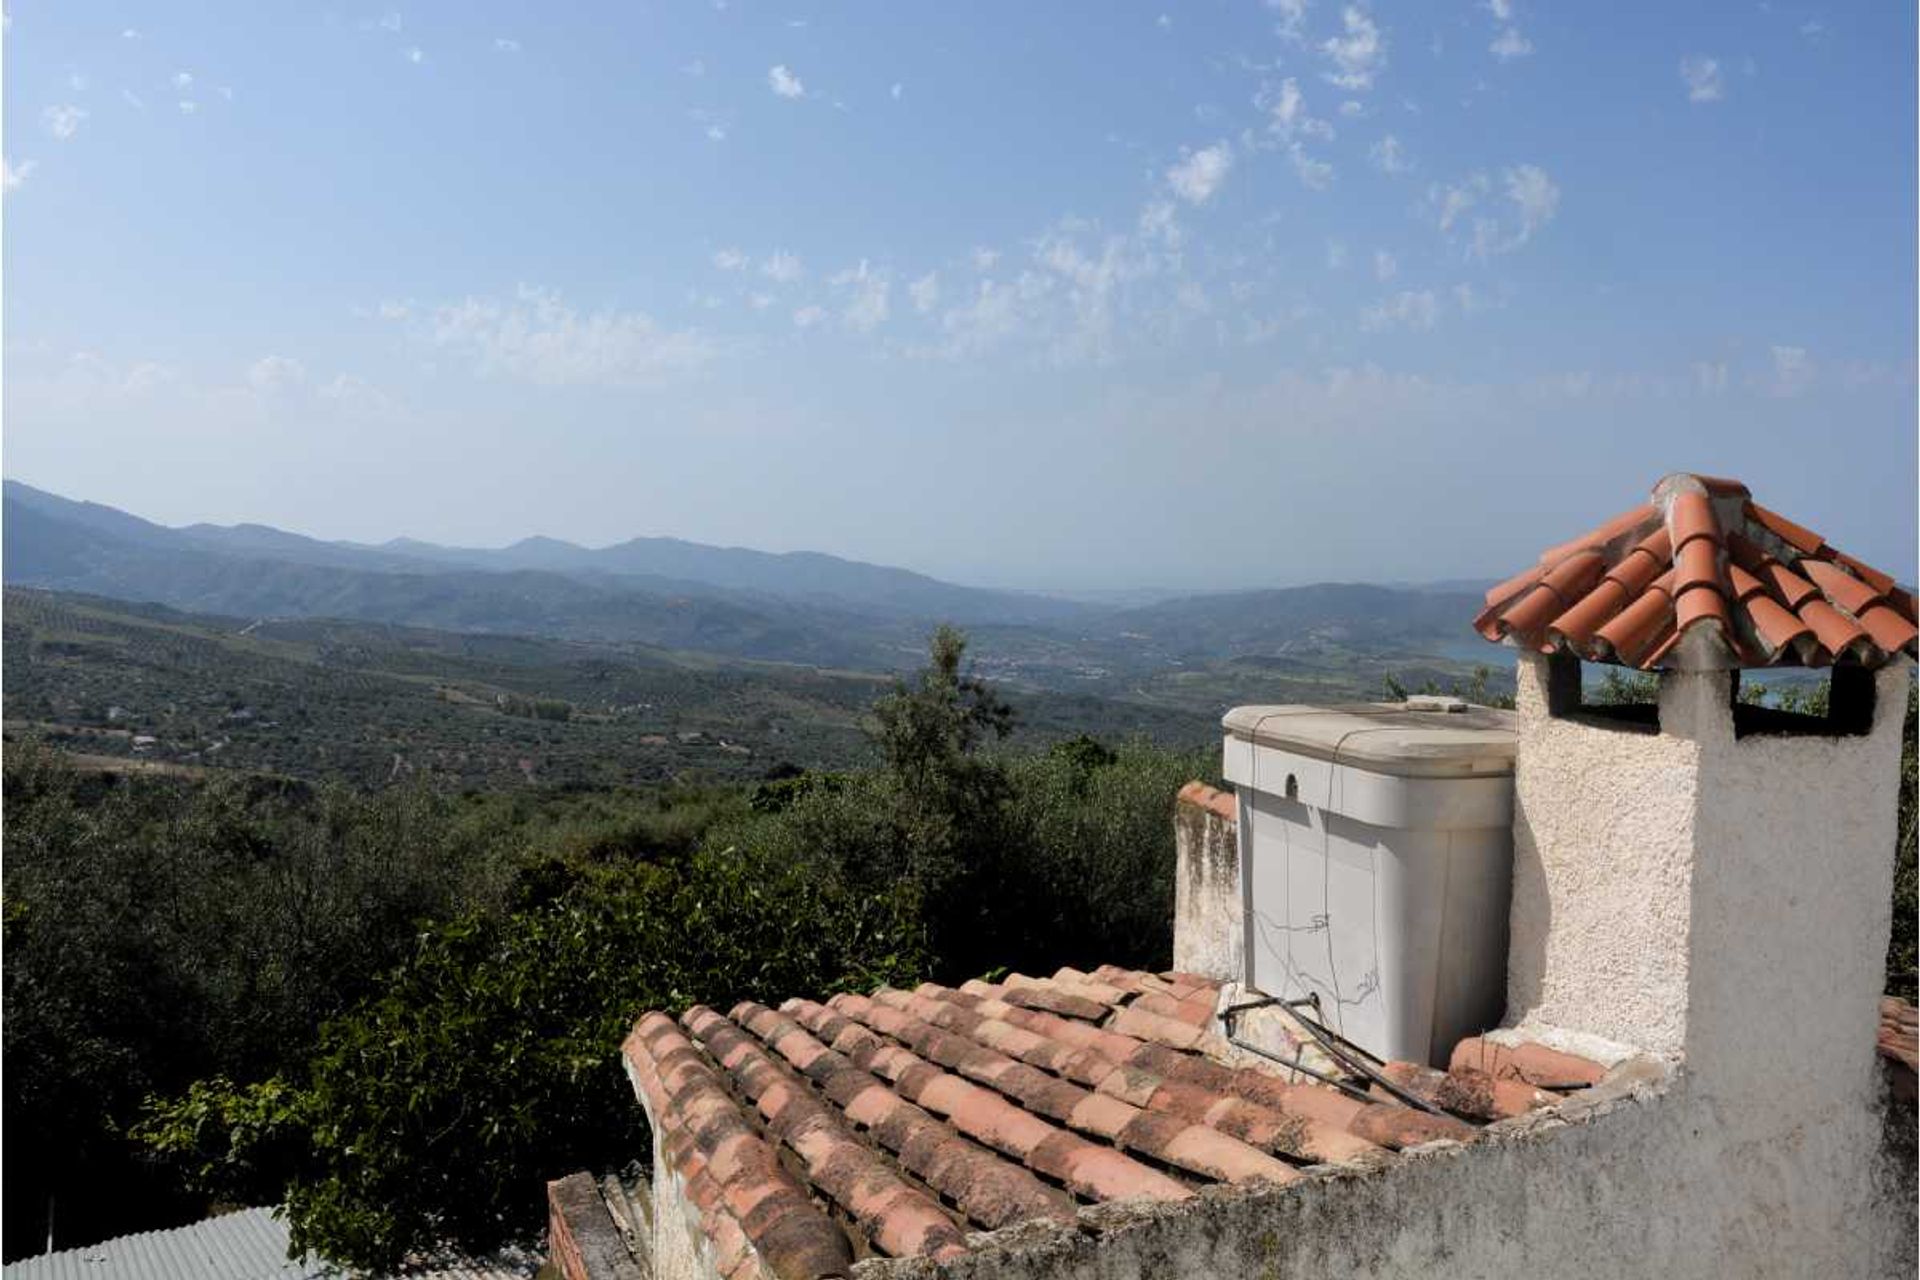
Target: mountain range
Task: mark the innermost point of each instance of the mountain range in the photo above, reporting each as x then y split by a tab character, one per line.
801	607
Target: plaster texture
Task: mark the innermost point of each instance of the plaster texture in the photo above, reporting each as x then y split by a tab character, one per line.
1603	827
1208	913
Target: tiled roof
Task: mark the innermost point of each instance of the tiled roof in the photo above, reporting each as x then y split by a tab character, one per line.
1899	1043
898	1122
1703	576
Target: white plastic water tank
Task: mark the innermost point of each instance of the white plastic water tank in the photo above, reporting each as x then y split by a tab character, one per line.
1376	854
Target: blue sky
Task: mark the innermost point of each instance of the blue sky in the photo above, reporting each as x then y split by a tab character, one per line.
1032	295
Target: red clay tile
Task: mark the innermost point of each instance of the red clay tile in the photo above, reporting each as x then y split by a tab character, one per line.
1839	586
1680	573
1598	539
1697	565
1691	519
1889	630
1574	576
1649	558
1799	537
1220	803
1534	1063
1632	631
1880	582
1513	586
1836	634
1702	603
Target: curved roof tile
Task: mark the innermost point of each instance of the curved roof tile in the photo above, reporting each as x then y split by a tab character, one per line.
1702	559
895	1123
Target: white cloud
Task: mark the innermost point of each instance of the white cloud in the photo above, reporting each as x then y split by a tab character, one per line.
868	306
132	99
1453	200
1353	109
77	82
183	80
984	258
1502	10
355	395
925	292
1359	54
807	317
897	90
1293	16
389	22
130	34
1703	78
63	121
536	337
1158	222
1336	255
1387	156
1510	44
1710	377
506	44
695	68
784	83
13	175
1314	174
760	301
416	55
782	267
1287	108
393	310
1197	177
188	106
1385	266
1409	309
1792	371
1813	28
272	375
730	259
1536	197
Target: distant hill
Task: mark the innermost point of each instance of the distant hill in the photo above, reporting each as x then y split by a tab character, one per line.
122	685
658	565
799	607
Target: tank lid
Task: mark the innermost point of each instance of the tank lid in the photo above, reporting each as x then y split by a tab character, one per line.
1390	737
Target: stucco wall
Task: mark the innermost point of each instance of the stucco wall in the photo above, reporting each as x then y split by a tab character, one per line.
1790	910
1207	907
1602	874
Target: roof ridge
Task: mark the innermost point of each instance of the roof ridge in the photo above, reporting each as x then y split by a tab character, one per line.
1703	577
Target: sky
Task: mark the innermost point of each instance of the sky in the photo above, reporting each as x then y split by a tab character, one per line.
1078	296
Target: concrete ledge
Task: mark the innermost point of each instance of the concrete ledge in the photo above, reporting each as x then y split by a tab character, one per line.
1208	912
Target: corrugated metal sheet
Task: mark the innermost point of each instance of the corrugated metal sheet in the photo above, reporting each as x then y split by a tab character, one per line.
248	1245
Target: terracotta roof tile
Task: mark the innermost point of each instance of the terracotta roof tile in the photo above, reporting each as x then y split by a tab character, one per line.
1703	557
1221	803
913	1117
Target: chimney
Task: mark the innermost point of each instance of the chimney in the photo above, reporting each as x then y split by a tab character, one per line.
1697	876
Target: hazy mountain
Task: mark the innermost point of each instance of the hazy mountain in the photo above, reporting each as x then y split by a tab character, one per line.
81	547
797	607
656	564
